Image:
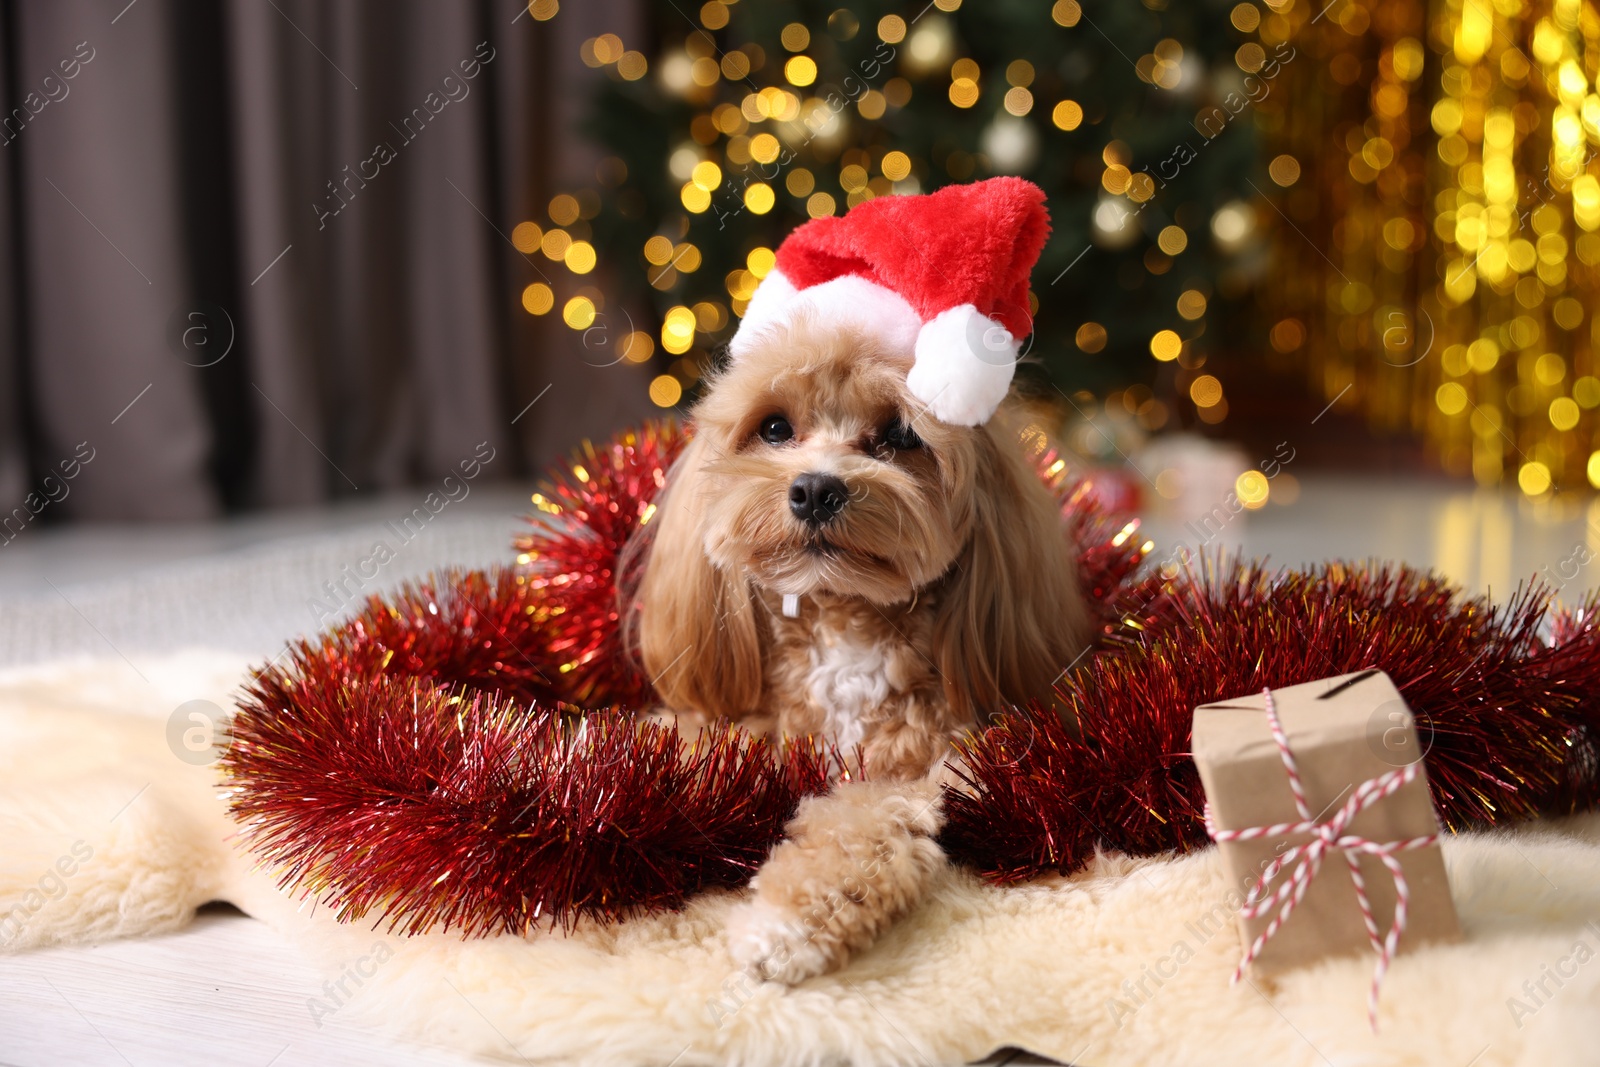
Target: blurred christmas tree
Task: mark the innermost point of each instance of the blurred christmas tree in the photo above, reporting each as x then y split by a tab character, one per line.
757	115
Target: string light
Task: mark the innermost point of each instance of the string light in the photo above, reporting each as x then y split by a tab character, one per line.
759	197
800	71
1091	337
526	236
665	391
564	210
555	243
1206	391
580	257
537	299
637	347
686	257
658	250
1067	115
1252	488
761	261
820	205
579	313
1166	345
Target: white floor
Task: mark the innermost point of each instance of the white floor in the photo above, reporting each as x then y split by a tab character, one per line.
1485	540
223	991
249	585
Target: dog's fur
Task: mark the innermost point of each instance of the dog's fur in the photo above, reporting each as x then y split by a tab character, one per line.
943	591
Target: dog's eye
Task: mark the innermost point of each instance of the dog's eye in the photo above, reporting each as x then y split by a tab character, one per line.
775	430
900	437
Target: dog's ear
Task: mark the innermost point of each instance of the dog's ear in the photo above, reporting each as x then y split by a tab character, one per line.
1012	617
693	626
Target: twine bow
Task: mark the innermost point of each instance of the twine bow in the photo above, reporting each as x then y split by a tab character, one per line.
1304	861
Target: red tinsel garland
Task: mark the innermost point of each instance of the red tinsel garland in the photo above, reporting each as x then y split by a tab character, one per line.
1510	721
483	631
431	759
428	806
1110	550
572	553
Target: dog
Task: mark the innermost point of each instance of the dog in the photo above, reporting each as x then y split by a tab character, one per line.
830	560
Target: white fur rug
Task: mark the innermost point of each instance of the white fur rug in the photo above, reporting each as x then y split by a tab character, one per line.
1126	963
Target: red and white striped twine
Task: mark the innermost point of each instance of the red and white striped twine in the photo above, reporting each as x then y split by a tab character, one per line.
1304	861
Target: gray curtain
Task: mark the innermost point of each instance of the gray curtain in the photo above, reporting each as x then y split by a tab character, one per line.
322	189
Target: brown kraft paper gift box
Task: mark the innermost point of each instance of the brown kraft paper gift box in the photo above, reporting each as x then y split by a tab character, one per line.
1342	731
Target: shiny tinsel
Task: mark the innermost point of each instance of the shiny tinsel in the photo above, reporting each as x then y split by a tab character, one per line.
1509	716
477	629
422	806
572	552
1110	550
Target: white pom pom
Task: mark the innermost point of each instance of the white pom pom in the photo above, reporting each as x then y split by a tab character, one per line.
964	365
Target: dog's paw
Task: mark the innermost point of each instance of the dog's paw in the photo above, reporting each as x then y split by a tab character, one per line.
776	945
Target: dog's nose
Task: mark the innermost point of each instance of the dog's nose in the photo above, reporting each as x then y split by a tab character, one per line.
816	498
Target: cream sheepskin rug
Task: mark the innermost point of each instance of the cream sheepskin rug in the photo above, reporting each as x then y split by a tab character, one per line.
1125	963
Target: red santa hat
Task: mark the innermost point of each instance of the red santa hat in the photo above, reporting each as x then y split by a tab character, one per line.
943	277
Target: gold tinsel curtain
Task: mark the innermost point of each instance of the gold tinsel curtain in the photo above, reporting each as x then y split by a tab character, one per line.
1440	227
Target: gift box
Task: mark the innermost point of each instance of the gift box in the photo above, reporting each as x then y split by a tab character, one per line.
1345	768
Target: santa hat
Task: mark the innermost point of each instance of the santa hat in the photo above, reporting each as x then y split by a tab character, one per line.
943	276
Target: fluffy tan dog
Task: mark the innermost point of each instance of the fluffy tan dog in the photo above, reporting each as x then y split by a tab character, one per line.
928	585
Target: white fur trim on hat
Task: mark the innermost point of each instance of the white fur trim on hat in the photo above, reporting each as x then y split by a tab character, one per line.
765	308
964	365
848	301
